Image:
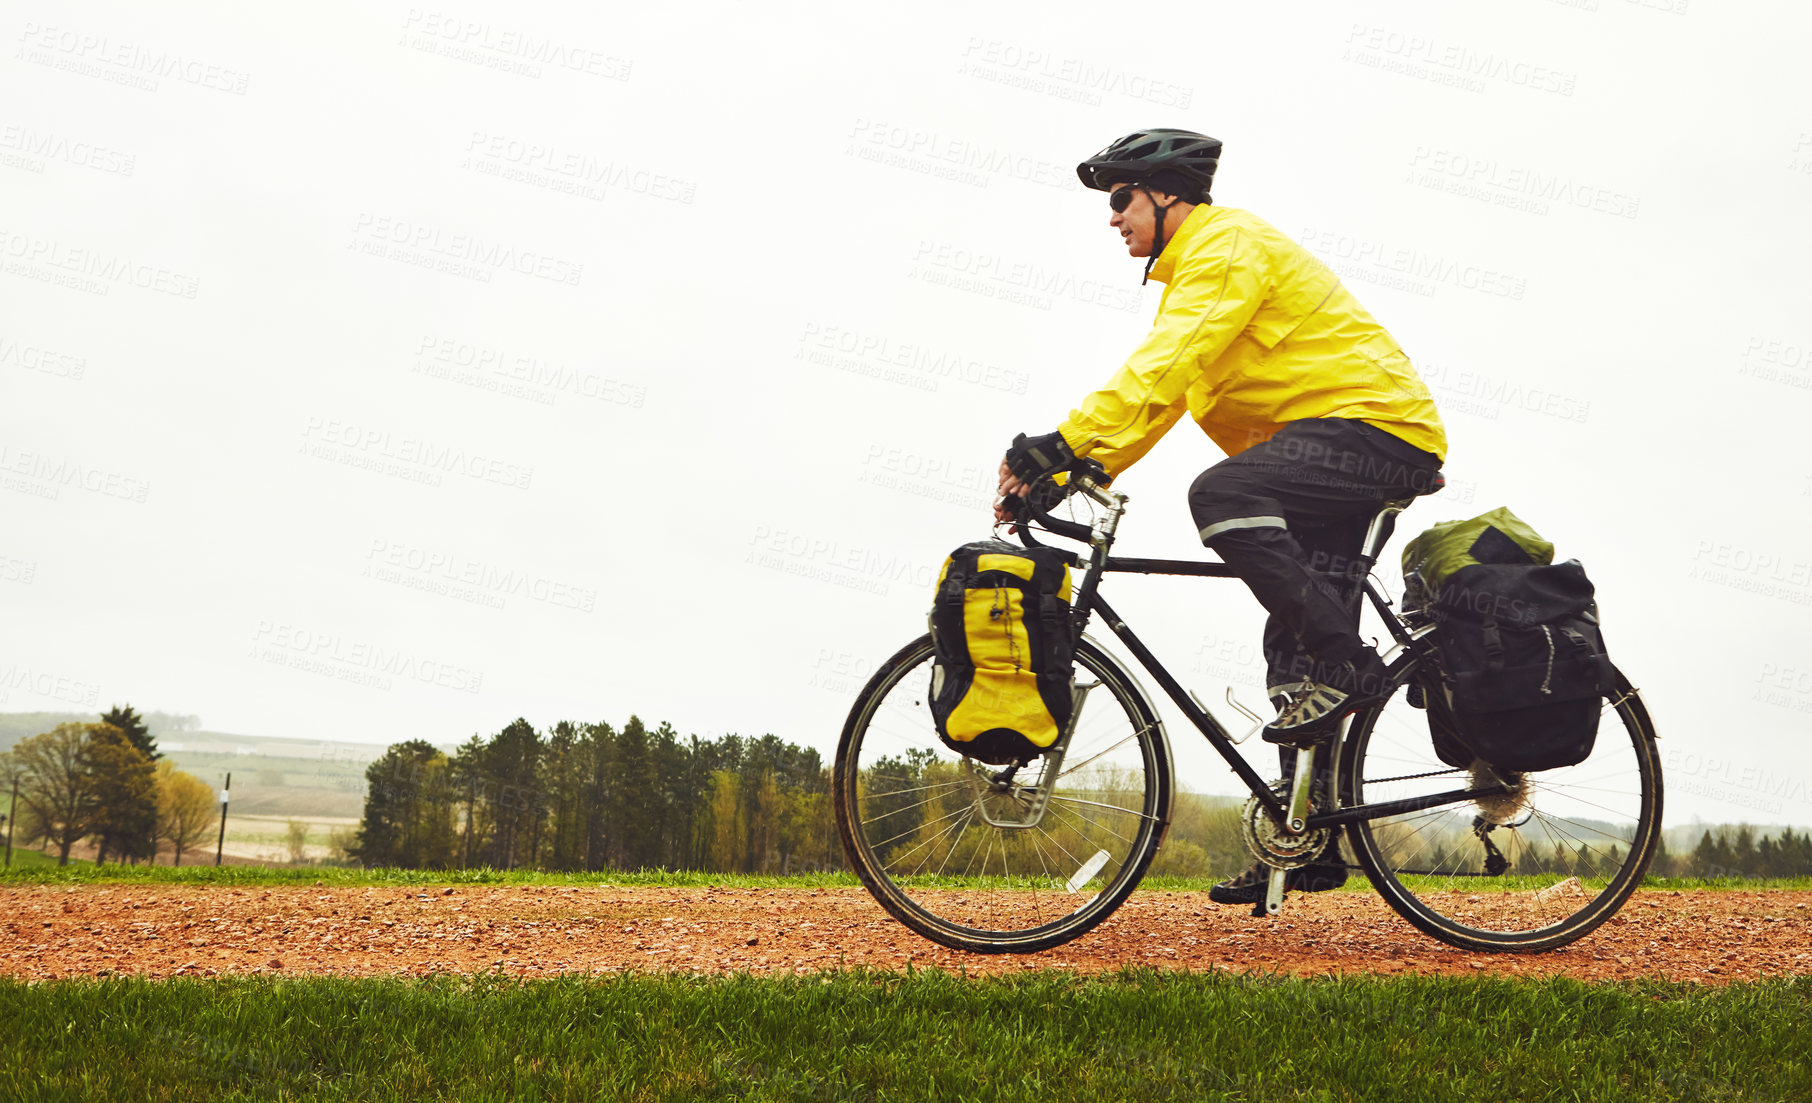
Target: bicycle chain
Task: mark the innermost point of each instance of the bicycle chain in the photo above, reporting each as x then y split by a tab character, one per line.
1411	777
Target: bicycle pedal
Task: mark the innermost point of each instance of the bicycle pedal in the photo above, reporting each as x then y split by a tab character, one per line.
1297	742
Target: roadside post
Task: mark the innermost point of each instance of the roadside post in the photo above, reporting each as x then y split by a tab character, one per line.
12	812
224	790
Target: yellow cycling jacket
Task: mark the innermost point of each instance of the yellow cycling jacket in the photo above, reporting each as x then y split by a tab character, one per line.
1253	332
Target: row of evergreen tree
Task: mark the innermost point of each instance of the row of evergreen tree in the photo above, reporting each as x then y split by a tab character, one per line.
1736	852
595	796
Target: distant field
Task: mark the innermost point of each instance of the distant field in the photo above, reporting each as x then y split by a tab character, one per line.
282	785
266	837
1044	1037
261	839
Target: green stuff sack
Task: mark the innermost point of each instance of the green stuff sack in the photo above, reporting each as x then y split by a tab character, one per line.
1496	537
1000	679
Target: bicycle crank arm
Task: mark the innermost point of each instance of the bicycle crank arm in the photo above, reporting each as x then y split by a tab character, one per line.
1274	893
1301	784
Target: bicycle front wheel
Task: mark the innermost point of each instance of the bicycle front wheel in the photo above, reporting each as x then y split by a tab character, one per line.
960	855
1525	872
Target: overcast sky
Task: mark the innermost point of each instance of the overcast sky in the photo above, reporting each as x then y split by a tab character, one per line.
374	371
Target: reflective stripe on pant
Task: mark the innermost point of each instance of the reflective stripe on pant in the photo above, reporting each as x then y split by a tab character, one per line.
1288	516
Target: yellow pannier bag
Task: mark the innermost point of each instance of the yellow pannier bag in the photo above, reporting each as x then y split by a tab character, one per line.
1000	680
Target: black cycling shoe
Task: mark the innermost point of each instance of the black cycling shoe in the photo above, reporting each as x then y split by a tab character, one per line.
1344	688
1250	887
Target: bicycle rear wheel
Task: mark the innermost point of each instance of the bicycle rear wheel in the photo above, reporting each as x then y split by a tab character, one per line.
915	816
1526	872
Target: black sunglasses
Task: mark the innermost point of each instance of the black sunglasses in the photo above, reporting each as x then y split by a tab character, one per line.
1121	199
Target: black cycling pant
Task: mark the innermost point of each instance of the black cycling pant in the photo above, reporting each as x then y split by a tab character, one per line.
1289	515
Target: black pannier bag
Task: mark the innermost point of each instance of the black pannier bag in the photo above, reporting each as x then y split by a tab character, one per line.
1523	665
1000	678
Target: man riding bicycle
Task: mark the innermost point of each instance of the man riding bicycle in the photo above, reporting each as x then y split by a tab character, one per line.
1320	414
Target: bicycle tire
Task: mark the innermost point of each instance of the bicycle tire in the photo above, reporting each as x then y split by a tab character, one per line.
1016	900
1577	839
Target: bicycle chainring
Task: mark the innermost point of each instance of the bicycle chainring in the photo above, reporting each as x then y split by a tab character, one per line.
1270	843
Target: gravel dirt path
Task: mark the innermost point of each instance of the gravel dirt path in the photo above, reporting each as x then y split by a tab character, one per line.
173	930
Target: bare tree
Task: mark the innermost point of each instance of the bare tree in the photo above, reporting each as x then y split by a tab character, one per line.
57	789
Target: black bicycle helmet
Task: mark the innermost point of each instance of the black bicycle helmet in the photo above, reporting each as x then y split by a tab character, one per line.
1175	162
1144	156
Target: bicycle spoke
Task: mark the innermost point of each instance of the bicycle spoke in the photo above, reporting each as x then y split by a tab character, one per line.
958	827
1005	865
940	819
1545	820
1087	820
1600	807
1072	859
909	808
917	789
1042	864
969	867
1115	746
1559	848
1421	848
1111	807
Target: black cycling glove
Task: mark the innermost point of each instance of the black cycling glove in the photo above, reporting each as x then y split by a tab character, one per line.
1048	494
1032	458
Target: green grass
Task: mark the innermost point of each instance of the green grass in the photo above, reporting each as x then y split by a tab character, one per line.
29	867
36	862
87	873
1046	1037
1800	884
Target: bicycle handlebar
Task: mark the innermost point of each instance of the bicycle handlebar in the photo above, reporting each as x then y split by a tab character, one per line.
1025	509
1083	482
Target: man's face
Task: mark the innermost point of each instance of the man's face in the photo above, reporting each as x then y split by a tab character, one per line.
1138	222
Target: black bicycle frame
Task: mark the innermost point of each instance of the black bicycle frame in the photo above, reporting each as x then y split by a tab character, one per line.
1089	600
